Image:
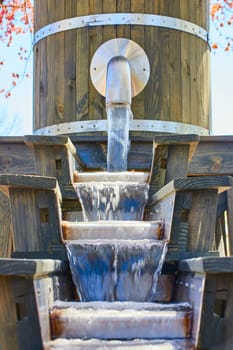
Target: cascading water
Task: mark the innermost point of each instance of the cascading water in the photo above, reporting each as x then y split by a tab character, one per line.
112	200
116	269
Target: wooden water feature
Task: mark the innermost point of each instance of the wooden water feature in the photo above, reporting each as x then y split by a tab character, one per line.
140	258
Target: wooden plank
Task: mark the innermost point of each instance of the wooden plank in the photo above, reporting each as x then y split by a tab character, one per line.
158	168
96	104
8	317
28	326
221	236
70	62
214	321
15	157
137	35
104	230
29	181
42	232
82	65
114	321
202	220
109	32
123	31
175	66
210	265
185	65
222	183
27	267
229	195
152	89
190	288
6	233
177	162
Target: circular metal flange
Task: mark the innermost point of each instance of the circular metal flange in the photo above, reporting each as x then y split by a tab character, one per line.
135	55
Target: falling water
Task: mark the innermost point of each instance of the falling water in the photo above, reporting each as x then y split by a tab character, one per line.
116	270
112	200
118	116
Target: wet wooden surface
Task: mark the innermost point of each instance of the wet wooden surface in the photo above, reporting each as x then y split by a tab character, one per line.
77	344
115	321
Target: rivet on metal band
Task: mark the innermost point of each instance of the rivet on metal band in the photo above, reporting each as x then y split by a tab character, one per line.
156	126
120	19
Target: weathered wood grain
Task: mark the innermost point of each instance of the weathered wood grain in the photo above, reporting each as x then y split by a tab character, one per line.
29	181
6	233
213	265
8	318
222	183
82	66
35	268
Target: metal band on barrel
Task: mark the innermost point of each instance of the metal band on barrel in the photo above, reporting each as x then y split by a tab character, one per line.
135	125
121	19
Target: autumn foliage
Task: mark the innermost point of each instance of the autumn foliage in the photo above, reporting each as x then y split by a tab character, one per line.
221	15
16	18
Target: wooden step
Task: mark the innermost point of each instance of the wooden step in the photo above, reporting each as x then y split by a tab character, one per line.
120	320
104	176
112	229
97	344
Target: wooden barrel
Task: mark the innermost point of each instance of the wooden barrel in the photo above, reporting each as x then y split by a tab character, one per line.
178	91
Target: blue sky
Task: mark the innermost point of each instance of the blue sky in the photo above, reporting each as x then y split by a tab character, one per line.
16	112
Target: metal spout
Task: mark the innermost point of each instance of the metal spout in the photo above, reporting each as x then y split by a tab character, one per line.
118	81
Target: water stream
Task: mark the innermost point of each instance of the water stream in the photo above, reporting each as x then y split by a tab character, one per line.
118	117
112	200
116	270
113	269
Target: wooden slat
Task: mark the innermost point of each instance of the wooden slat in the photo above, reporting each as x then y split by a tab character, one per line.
216	320
6	228
123	6
229	195
216	265
96	109
202	220
221	183
70	59
29	181
35	268
8	317
152	90
175	66
189	287
137	35
28	326
82	65
109	32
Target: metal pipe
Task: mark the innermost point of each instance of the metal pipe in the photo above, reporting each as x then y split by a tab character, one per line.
118	82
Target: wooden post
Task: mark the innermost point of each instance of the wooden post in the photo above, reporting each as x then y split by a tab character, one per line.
178	88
